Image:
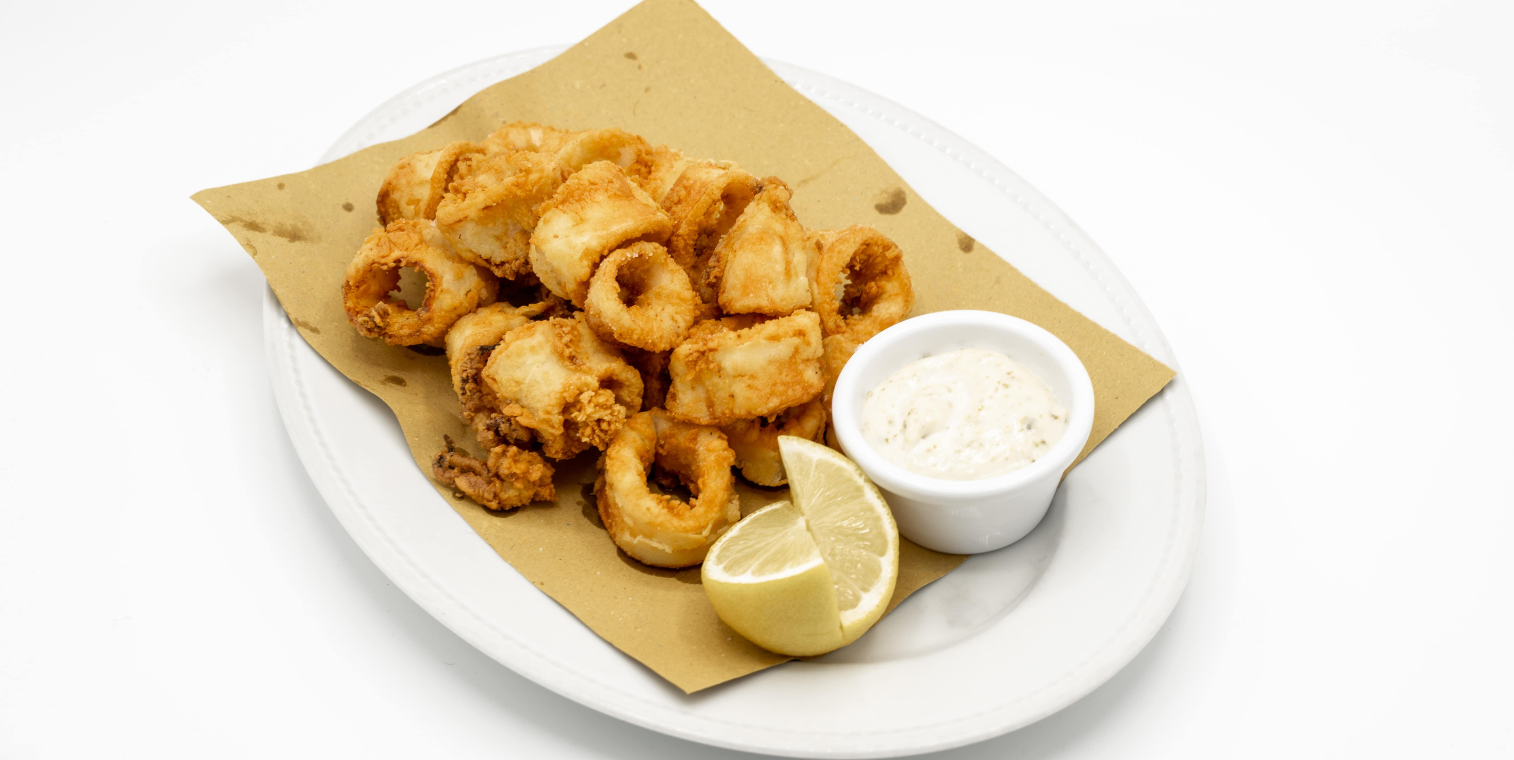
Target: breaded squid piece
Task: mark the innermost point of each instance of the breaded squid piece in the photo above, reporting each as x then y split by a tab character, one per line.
704	203
762	264
492	206
619	147
575	150
557	378
640	297
664	166
860	284
417	183
525	135
653	367
596	211
837	351
721	374
512	476
454	287
469	343
654	528
756	441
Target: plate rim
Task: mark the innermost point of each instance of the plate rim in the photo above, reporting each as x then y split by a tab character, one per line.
1160	598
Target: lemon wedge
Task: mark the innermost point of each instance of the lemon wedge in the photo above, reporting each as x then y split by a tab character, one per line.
805	578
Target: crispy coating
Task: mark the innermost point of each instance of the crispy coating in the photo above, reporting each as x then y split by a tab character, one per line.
762	264
755	442
860	285
653	367
558	379
525	135
469	343
512	476
416	184
664	166
654	528
492	206
575	150
725	372
640	297
619	147
704	203
837	351
596	211
454	287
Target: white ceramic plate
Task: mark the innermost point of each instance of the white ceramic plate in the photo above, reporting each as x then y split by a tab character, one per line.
1007	639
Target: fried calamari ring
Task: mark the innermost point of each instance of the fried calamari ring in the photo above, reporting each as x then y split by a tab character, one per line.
416	184
454	287
762	264
861	285
492	206
703	203
657	529
640	297
596	211
556	377
575	150
511	478
619	147
725	372
664	166
525	135
469	343
755	442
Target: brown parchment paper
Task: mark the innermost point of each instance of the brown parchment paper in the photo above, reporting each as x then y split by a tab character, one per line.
669	72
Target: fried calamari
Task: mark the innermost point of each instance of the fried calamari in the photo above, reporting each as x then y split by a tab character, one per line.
594	212
557	378
493	205
525	135
653	367
755	442
454	287
469	343
861	285
655	528
617	146
704	203
664	166
593	291
762	264
418	182
511	477
724	372
640	297
837	350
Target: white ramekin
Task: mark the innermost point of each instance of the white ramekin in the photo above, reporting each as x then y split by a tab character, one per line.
965	516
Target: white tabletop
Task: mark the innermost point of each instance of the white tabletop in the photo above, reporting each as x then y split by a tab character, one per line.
1313	198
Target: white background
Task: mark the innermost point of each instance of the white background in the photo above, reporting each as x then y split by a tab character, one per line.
1315	199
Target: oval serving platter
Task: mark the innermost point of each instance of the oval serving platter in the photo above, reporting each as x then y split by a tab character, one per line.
1005	640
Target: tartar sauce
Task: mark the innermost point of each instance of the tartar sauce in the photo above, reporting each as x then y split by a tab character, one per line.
963	415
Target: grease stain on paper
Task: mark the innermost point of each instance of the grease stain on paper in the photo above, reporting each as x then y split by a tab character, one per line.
395	380
890	202
305	325
965	242
294	233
